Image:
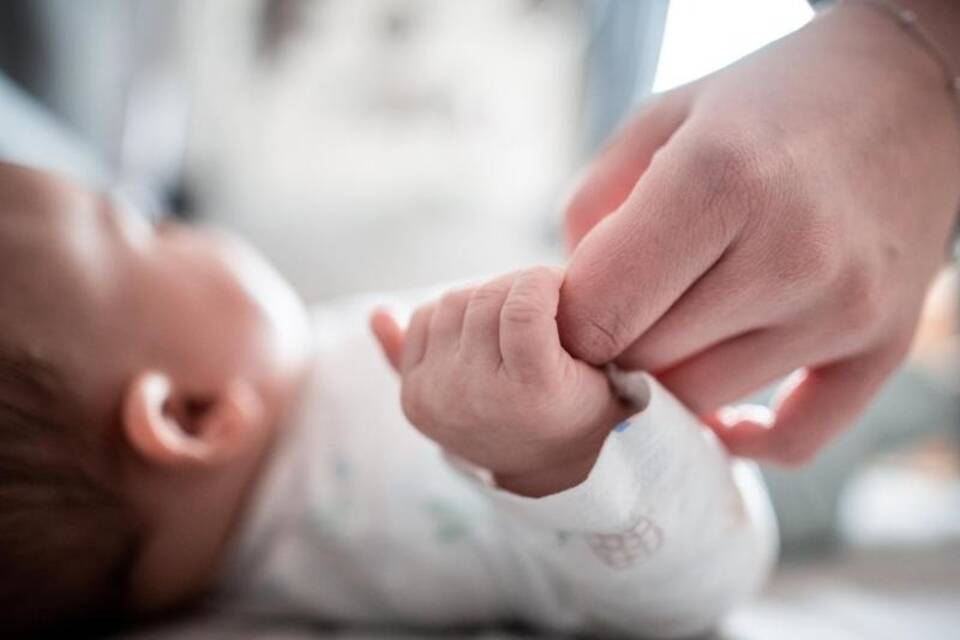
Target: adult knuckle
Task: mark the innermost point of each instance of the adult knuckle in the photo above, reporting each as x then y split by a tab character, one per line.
729	166
733	180
721	157
859	295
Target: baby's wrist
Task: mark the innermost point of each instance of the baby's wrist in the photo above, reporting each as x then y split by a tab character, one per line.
571	465
547	481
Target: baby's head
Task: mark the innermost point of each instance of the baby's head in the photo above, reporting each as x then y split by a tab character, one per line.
142	372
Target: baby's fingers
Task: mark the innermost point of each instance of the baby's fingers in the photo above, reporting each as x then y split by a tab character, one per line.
529	341
480	342
389	335
418	333
447	322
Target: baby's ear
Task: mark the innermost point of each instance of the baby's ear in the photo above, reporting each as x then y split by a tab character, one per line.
169	427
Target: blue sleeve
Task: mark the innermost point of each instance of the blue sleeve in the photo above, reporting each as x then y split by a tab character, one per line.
31	135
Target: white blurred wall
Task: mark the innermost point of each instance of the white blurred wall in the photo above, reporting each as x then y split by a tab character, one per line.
387	143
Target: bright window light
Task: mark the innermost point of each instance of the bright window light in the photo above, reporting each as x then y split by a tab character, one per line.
702	36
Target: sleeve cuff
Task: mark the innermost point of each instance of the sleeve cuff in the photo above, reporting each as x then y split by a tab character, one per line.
633	470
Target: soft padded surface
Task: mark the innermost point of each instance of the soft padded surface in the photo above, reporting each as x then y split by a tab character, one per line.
856	594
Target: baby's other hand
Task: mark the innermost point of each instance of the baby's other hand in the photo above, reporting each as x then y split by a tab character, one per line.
484	375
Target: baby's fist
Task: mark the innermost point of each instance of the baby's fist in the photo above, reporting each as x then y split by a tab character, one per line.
484	375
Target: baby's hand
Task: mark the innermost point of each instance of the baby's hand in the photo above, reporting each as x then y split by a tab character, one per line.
484	375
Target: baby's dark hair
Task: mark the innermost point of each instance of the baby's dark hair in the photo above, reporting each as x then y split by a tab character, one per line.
67	538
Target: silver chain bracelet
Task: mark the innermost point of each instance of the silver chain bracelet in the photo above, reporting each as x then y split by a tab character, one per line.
910	23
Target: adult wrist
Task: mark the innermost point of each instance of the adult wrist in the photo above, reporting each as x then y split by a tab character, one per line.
858	28
934	28
935	20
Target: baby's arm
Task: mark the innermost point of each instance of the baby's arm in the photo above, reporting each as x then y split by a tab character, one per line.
648	529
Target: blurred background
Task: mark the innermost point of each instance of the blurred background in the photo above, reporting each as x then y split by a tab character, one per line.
376	145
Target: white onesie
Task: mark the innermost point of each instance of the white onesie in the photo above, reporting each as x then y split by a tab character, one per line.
359	518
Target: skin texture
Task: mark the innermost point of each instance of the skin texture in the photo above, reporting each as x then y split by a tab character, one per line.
180	343
785	214
484	375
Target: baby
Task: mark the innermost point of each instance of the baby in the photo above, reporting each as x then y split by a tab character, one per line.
173	424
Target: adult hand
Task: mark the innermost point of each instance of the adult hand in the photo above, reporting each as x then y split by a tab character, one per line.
784	214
